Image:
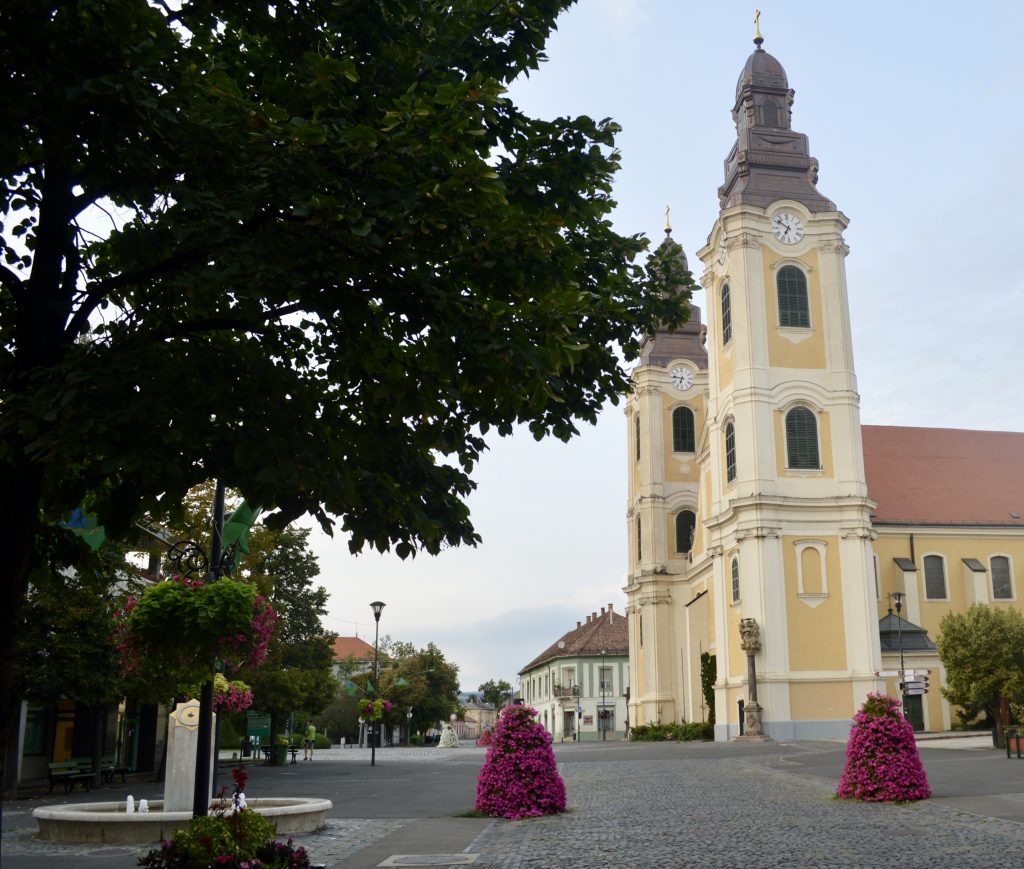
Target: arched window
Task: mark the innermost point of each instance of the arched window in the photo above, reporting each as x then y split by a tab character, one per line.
636	432
726	315
934	577
792	286
735	579
1002	586
639	541
802	439
684	439
686	521
730	453
770	113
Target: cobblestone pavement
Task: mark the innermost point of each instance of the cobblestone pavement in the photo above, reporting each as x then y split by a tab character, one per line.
737	813
676	811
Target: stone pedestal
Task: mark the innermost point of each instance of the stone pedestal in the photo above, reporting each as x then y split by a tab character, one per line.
182	743
752	731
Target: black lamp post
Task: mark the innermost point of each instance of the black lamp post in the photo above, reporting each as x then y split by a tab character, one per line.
602	720
376	606
897	599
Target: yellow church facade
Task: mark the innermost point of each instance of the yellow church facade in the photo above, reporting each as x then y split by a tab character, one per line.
755	493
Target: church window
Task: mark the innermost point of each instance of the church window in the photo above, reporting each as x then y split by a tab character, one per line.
640	620
636	434
726	315
686	521
770	113
802	439
639	541
735	579
793	307
934	577
1002	587
730	453
684	438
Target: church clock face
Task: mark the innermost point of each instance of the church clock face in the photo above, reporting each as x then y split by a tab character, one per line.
682	378
787	228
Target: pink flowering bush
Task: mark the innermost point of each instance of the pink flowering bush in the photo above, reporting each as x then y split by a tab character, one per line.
882	763
485	739
233	696
519	778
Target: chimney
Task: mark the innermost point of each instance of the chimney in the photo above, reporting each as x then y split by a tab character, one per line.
611	617
579	625
602	611
594	616
588	620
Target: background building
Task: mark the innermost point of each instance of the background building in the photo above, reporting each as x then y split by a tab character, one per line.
579	685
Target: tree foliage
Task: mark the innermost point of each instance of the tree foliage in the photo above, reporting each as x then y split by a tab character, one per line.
311	248
982	652
496	693
424	681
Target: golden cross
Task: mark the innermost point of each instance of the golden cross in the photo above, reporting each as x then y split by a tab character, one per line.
757	25
668	223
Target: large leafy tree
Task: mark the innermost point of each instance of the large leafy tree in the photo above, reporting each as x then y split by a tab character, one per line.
424	681
308	247
496	693
982	651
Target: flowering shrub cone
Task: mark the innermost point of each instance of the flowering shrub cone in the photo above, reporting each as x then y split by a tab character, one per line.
882	763
519	778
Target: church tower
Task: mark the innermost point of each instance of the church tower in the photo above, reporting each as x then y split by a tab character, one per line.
788	525
666	420
747	498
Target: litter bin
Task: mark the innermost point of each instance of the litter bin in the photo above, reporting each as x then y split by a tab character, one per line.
280	755
247	747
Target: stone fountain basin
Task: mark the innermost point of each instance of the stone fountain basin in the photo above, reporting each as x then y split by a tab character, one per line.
109	823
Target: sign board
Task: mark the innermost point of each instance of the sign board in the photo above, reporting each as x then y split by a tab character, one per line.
887	674
588	719
257	725
912	691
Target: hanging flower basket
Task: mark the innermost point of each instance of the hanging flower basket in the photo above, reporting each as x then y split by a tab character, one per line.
375	710
182	626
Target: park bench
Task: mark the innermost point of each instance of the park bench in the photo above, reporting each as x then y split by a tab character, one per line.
69	773
108	769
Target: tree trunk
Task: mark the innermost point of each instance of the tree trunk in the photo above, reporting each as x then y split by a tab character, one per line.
20	489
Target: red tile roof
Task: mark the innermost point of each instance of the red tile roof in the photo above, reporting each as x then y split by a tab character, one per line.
606	632
357	648
944	476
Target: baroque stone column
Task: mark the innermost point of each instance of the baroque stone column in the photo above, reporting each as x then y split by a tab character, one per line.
750	642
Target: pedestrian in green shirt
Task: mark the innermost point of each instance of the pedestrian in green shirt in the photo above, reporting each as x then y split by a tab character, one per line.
310	740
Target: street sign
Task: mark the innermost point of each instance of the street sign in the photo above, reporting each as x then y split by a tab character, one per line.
912	691
886	674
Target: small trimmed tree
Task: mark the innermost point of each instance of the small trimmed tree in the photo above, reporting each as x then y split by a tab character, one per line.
519	778
882	763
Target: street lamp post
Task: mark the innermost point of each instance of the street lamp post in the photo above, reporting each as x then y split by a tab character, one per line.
376	606
601	720
408	727
897	599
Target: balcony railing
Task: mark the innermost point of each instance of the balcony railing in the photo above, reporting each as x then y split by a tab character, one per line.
567	690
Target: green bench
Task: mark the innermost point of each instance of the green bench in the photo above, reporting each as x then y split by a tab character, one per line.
69	773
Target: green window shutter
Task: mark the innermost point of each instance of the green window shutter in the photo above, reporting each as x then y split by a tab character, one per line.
1002	588
735	579
726	315
730	453
934	577
802	439
686	521
636	427
792	287
684	438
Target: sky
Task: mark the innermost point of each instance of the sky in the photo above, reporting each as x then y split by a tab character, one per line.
912	110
